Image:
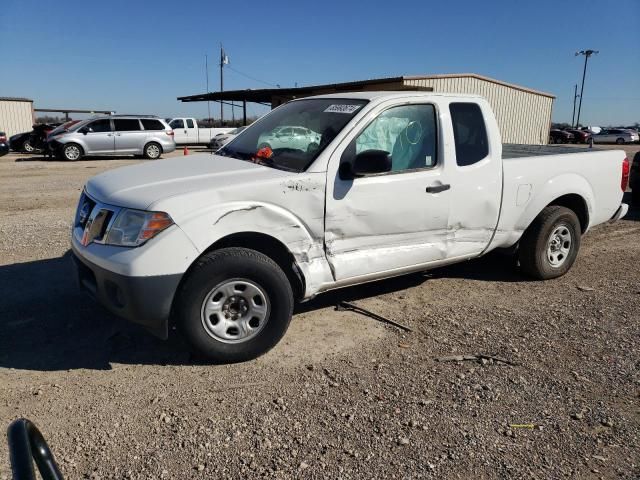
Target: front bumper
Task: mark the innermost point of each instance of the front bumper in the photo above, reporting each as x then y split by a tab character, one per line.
142	300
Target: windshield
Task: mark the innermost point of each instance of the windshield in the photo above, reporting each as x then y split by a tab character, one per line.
292	136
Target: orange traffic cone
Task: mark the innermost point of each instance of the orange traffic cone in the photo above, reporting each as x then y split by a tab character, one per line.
186	151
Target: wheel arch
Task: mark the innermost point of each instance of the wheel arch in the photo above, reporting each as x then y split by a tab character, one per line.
577	204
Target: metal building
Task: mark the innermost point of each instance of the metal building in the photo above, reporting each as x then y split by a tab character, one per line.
16	115
524	115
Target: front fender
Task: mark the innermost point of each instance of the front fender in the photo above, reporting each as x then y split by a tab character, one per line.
225	219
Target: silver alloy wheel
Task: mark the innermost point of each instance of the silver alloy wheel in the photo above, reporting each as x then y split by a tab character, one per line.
72	152
235	311
28	147
153	151
559	245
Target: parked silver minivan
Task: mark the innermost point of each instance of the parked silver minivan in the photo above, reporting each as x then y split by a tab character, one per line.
114	135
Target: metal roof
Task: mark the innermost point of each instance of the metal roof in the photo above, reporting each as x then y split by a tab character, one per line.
265	95
15	99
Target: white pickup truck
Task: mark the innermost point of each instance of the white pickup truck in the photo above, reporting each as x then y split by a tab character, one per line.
220	246
188	132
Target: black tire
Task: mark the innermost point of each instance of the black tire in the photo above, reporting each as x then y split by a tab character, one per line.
152	151
71	152
534	245
27	147
216	268
635	197
620	141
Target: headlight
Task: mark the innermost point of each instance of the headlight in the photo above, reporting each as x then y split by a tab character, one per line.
134	227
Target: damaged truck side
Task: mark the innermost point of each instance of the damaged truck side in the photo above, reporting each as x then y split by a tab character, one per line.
326	192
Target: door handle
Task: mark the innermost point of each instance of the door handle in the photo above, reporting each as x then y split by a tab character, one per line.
438	188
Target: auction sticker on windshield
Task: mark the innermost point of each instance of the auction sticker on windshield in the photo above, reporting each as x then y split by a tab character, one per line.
342	108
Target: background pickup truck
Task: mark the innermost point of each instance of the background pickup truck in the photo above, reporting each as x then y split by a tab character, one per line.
221	246
187	132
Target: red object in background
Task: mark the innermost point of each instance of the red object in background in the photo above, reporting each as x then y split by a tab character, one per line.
3	138
264	152
185	151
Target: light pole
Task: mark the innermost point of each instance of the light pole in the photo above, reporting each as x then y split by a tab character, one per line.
587	54
575	97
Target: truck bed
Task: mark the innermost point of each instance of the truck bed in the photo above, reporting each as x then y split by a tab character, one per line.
514	150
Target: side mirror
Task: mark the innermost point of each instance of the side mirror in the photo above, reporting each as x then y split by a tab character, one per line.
369	162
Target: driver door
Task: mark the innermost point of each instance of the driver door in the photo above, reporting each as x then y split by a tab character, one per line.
99	138
389	221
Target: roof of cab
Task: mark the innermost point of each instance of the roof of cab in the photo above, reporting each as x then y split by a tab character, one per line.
388	95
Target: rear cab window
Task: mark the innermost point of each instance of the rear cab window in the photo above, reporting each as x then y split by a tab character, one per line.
126	124
469	132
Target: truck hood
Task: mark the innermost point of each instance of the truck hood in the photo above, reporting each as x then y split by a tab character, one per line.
140	186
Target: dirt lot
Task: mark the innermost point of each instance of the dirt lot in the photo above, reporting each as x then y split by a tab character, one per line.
342	396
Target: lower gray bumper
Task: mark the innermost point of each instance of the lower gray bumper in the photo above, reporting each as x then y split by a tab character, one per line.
142	300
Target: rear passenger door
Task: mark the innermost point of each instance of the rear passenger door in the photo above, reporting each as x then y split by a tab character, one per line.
99	138
130	138
476	189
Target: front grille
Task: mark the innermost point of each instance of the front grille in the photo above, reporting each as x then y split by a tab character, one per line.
93	220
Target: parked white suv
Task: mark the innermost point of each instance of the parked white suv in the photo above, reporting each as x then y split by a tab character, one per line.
114	135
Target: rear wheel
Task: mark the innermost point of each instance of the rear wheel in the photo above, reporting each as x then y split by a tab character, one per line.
550	245
235	305
635	197
27	147
152	151
72	152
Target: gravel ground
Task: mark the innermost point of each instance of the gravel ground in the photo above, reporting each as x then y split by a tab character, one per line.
342	396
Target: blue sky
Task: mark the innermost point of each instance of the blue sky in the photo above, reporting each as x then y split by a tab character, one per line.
138	56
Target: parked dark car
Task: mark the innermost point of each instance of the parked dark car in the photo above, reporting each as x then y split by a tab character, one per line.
4	144
34	141
560	136
634	180
579	136
17	142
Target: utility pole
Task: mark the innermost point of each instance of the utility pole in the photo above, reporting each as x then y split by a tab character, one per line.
224	60
206	69
575	97
587	54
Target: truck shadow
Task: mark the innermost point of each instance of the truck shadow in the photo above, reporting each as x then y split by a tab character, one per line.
634	211
48	324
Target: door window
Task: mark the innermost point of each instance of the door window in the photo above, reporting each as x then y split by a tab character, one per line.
469	132
100	126
407	133
126	125
177	123
189	123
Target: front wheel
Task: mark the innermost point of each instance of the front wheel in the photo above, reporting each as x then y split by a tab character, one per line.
235	305
620	141
550	245
72	152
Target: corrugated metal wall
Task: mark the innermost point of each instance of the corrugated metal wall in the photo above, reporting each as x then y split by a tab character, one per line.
15	116
523	117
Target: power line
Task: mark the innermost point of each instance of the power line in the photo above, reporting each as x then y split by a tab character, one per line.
252	78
